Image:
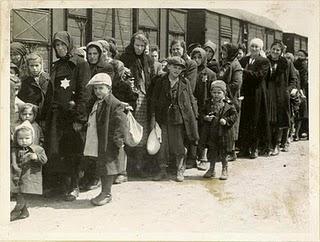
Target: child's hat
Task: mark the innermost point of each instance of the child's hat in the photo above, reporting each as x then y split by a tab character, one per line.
219	84
176	60
100	78
25	124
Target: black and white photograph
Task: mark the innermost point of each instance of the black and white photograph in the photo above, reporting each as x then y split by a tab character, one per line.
159	121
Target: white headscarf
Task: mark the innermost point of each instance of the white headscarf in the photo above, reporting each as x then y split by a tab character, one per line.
258	42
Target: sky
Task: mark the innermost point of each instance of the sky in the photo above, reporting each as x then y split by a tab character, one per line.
291	16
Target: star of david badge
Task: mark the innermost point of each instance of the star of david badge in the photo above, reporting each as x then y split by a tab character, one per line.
65	83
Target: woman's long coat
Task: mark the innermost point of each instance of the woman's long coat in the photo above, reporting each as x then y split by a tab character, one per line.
254	124
281	81
187	104
231	74
64	105
111	128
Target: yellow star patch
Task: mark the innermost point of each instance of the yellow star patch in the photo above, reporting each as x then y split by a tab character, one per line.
65	83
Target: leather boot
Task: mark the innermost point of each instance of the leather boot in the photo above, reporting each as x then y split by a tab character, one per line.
224	173
162	175
180	169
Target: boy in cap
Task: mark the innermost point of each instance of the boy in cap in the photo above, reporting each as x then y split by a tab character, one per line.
174	108
105	134
219	115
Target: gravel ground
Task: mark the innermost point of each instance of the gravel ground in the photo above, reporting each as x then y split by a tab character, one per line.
265	195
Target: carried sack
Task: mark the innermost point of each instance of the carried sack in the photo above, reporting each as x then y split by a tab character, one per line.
154	140
135	132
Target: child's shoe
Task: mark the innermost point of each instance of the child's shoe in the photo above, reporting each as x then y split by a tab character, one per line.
14	214
24	213
72	195
102	199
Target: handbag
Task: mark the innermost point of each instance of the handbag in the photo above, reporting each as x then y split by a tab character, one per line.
135	131
154	140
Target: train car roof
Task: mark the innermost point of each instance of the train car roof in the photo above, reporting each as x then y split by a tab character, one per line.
249	17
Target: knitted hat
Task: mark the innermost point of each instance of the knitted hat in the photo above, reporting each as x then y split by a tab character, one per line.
100	78
175	60
219	84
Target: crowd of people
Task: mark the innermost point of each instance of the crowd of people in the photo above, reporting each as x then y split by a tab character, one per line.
69	129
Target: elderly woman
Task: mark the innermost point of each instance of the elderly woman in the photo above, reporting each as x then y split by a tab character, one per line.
281	82
65	113
174	108
231	74
18	52
254	125
135	59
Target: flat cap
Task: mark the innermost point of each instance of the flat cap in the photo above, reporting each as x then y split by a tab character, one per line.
100	78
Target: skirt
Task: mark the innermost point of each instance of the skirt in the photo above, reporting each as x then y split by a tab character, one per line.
141	116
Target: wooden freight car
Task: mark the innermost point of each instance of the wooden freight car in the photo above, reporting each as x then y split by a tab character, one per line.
295	42
230	25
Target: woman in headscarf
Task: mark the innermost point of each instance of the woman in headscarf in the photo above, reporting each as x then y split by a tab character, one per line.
18	52
135	59
96	59
205	77
254	125
211	49
281	82
231	74
178	48
65	113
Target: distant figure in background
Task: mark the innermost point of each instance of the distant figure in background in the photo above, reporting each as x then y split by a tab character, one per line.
155	56
241	51
211	49
191	47
18	52
81	52
301	64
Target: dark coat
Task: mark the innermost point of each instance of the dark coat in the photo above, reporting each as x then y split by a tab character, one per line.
231	74
215	133
160	103
65	104
111	129
32	92
137	65
254	124
281	81
213	65
202	90
27	177
302	66
191	72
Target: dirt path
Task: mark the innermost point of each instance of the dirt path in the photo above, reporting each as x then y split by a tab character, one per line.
265	195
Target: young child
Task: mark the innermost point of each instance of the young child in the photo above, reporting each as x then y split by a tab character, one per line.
27	159
28	111
34	85
219	116
107	125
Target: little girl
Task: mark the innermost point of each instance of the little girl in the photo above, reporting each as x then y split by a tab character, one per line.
219	115
28	111
27	159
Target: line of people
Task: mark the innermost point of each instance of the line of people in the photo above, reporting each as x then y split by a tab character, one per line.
74	123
